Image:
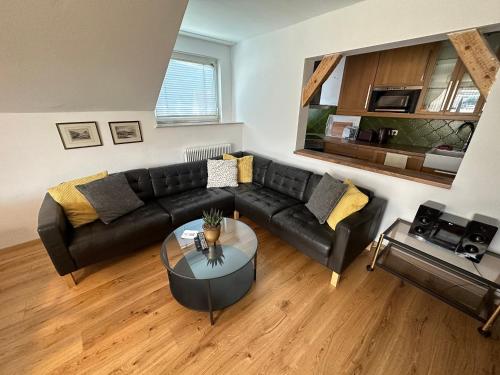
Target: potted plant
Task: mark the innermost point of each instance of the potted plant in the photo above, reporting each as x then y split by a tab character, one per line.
211	225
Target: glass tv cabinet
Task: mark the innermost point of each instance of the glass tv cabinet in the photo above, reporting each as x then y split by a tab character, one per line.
473	288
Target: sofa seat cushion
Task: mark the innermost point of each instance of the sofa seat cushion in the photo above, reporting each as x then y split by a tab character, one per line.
301	228
261	204
187	206
98	241
242	188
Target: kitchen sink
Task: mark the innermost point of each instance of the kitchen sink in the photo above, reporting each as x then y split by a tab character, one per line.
443	160
452	153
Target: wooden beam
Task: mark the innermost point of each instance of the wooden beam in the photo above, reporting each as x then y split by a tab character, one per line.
478	58
320	75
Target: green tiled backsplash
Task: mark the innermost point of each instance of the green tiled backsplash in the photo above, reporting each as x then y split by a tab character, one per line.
419	132
316	120
414	132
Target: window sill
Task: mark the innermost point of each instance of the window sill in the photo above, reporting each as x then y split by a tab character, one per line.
184	124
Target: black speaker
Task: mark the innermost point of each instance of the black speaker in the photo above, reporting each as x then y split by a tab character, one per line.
478	236
425	219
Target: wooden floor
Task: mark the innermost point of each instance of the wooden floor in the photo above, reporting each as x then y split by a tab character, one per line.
122	319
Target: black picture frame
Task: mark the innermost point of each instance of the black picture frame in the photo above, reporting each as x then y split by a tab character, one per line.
67	137
126	136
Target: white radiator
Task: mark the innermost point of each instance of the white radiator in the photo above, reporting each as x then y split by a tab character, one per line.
205	152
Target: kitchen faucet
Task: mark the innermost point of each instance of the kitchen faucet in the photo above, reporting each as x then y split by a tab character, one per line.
470	125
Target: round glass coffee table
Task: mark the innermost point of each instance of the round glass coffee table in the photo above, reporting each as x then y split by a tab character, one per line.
214	279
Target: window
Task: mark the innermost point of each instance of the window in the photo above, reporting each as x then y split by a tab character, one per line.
189	90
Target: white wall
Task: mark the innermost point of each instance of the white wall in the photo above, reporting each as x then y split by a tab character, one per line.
267	81
222	53
330	91
64	56
32	158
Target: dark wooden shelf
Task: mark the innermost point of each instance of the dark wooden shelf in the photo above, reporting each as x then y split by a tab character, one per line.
416	176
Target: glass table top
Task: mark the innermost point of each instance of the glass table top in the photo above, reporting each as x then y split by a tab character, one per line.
488	270
236	247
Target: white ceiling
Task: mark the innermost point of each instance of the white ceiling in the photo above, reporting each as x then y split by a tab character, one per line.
235	20
85	55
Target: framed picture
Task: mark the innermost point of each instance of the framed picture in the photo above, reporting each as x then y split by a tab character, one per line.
79	134
125	132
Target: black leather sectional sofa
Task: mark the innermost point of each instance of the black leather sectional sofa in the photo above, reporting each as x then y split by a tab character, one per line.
176	194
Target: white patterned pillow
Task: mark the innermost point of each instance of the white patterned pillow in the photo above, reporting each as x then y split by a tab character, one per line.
222	173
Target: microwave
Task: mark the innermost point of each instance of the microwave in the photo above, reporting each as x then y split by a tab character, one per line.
394	99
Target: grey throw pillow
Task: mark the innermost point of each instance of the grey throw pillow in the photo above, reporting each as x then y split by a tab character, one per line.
112	197
222	173
325	197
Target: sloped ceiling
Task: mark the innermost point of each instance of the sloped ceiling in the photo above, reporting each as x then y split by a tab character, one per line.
236	20
85	55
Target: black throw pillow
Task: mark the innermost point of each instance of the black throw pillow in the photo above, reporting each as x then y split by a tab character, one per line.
325	197
112	197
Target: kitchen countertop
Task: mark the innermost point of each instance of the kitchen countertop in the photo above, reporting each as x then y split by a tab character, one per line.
397	149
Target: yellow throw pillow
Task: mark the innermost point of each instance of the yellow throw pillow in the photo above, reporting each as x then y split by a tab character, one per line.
352	201
245	167
76	207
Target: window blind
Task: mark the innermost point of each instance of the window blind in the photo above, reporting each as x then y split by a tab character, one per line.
189	90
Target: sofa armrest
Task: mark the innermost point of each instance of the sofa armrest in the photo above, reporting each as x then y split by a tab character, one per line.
354	234
55	231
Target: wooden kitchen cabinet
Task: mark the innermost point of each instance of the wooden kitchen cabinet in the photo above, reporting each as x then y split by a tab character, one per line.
449	89
365	154
371	153
415	163
357	82
397	67
340	149
379	157
352	151
404	66
440	74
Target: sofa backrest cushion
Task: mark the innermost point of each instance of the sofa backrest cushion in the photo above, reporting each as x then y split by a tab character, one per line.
237	154
140	182
287	180
368	192
311	185
260	167
177	178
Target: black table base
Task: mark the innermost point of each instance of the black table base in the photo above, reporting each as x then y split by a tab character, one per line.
213	294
